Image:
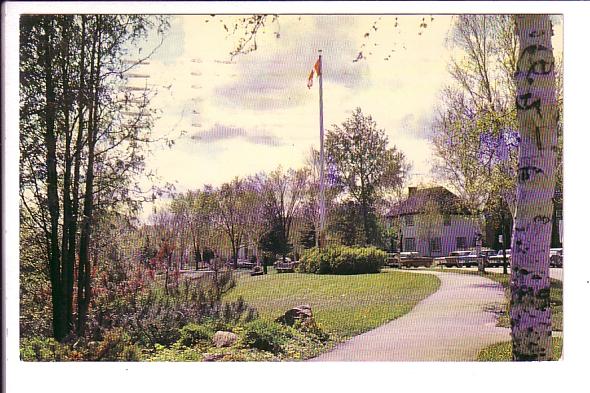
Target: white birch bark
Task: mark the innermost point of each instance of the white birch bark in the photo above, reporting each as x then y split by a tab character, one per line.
530	312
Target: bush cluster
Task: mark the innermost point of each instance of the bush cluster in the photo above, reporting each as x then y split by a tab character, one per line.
191	334
153	317
44	350
265	335
116	346
342	260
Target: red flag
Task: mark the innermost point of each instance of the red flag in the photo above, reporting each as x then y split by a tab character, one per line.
317	70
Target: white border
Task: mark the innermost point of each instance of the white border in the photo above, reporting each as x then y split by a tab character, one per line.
287	377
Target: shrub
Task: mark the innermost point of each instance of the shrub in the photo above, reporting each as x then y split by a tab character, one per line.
264	335
116	346
191	334
342	260
152	317
311	327
43	349
176	353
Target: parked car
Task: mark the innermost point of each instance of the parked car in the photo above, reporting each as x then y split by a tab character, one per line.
393	261
498	259
408	259
556	257
457	258
484	253
245	264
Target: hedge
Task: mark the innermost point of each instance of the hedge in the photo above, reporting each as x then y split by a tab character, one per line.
342	260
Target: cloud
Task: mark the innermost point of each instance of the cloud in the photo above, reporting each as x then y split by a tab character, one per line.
172	44
220	132
274	76
418	127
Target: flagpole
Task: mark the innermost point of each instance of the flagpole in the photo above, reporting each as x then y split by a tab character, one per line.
322	198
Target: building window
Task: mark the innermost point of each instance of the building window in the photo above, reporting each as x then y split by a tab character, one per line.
410	244
410	221
461	243
435	244
447	220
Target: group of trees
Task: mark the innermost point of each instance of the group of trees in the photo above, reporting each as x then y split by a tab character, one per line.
476	134
258	211
272	212
81	139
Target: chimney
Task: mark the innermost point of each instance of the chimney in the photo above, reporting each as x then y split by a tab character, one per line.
411	191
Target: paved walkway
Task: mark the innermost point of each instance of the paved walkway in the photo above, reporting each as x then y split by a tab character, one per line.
452	324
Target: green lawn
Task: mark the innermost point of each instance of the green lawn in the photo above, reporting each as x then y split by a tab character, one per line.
502	352
344	306
504	279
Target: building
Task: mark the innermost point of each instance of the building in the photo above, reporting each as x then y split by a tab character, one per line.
432	222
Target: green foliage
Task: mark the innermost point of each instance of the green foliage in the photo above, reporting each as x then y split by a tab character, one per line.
266	336
148	250
43	349
346	225
275	242
364	165
175	353
191	334
153	316
342	260
311	327
307	237
35	288
117	346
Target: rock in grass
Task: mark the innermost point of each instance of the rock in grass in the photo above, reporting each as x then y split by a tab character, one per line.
212	357
300	313
224	339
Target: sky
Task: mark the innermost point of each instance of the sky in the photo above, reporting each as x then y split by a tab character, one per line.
253	112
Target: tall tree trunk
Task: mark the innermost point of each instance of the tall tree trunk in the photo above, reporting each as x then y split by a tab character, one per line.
67	273
82	102
52	184
84	288
365	212
530	312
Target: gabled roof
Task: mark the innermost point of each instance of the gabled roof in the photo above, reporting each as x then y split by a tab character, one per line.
418	200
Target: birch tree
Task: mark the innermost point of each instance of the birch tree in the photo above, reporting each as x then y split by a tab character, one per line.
530	311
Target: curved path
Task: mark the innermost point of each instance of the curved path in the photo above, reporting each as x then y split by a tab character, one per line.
452	324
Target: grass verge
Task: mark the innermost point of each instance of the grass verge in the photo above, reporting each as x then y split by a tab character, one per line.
502	352
343	305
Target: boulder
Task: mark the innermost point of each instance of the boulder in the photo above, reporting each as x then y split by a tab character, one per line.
212	357
300	313
224	339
